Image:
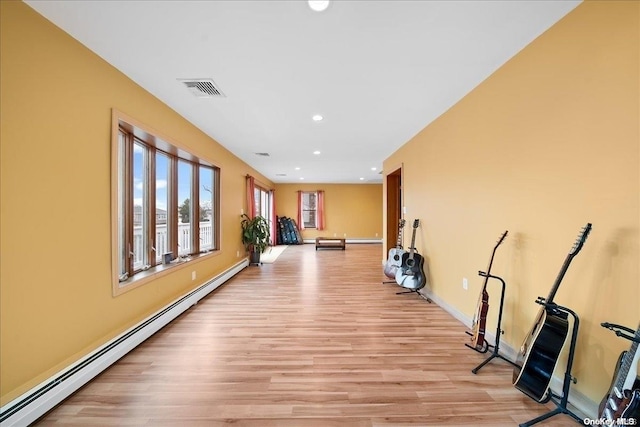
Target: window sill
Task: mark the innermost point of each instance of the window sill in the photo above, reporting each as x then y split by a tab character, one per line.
160	270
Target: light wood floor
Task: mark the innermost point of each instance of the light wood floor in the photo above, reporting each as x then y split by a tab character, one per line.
314	339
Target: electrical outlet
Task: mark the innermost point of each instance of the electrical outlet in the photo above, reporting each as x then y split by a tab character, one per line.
376	234
465	283
241	211
193	275
345	234
237	254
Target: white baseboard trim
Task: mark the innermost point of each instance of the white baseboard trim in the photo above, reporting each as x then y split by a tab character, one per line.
30	406
349	240
581	405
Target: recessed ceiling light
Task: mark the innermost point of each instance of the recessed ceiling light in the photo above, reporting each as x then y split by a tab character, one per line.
297	168
361	179
301	178
318	5
317	118
316	152
374	169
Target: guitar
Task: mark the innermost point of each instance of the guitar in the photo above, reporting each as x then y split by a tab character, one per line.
539	353
480	319
623	399
394	260
411	275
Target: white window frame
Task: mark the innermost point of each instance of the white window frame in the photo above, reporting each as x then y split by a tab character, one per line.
310	204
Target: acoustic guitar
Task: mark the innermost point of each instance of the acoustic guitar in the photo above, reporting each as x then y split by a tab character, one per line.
479	324
394	260
539	353
411	275
623	399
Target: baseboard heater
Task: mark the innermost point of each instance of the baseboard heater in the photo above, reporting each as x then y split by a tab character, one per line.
27	408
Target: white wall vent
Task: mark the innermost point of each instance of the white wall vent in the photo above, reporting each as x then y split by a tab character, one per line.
203	88
262	154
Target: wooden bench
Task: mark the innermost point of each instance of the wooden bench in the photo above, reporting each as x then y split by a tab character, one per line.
330	242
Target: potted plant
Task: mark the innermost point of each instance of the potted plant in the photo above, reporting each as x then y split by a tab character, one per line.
255	236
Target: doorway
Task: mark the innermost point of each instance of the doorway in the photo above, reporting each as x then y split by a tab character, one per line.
394	207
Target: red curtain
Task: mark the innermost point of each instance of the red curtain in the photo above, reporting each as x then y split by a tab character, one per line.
251	196
272	198
320	210
300	217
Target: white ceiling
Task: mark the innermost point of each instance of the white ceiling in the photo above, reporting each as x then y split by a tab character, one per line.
378	71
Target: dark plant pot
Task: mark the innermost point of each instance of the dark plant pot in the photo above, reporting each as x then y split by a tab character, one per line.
254	257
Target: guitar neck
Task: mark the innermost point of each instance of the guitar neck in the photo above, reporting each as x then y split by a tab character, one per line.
399	242
412	248
413	244
556	284
582	237
630	360
493	254
486	277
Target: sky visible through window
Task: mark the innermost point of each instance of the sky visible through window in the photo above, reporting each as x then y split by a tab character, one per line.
162	171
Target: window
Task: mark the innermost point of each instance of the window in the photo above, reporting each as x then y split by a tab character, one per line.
154	213
206	208
163	172
264	207
185	223
309	209
263	202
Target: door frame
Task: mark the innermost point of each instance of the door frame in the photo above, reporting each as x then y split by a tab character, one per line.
394	206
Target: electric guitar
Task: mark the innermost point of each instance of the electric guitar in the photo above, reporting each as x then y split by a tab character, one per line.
411	275
623	400
539	353
394	260
479	324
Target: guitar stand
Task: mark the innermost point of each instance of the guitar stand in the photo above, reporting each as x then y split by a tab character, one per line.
618	328
416	291
561	401
499	331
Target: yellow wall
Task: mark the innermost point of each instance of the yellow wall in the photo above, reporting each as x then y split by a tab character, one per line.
546	144
55	280
354	210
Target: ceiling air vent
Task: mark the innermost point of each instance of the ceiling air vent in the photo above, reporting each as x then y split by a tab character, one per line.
281	174
203	88
262	154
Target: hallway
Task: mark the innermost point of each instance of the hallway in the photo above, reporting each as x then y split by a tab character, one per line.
312	340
